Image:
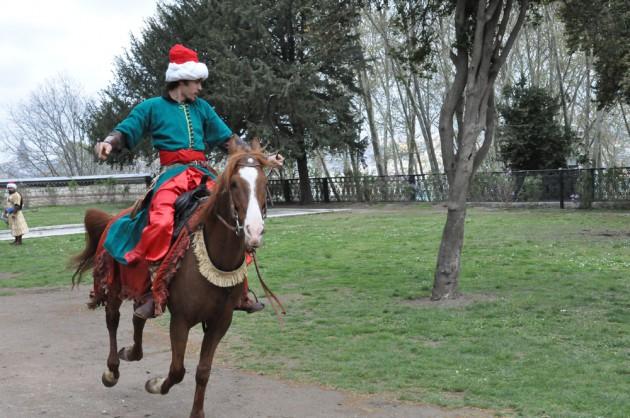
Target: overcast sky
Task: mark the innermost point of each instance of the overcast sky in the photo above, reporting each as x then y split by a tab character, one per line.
42	38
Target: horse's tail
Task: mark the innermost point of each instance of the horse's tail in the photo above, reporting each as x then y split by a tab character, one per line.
95	223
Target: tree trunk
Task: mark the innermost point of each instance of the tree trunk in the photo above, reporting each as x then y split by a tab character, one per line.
446	280
418	159
397	159
425	124
306	195
331	183
449	256
369	108
559	72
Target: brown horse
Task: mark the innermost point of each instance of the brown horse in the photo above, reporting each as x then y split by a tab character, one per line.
233	223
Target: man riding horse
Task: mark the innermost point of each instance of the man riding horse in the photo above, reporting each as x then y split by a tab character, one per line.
180	125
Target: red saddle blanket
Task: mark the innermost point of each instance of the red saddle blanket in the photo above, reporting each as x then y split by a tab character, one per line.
132	281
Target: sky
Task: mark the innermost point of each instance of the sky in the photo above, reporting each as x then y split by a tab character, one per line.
40	39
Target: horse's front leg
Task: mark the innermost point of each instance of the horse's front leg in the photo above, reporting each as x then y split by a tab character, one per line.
134	353
112	318
213	335
179	337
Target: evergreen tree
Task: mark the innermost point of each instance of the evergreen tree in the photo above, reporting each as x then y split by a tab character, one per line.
529	135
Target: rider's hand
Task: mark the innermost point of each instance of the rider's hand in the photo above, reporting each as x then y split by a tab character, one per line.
102	150
276	160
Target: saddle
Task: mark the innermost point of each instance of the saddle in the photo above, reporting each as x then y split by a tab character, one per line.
187	203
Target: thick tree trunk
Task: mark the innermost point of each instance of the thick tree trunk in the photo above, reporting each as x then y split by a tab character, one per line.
306	195
446	282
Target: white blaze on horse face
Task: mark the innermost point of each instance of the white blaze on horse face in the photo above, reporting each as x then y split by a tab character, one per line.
254	224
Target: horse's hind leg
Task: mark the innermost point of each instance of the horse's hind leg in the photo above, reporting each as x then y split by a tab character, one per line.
211	338
179	337
112	317
134	353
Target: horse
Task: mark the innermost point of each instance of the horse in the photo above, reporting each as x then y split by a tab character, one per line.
233	223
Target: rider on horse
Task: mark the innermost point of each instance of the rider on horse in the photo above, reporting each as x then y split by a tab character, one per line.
180	125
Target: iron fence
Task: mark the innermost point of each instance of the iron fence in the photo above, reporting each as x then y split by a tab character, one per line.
580	186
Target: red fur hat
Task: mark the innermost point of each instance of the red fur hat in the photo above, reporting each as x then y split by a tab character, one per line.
184	65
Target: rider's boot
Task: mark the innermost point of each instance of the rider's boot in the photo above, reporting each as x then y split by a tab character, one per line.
246	303
147	309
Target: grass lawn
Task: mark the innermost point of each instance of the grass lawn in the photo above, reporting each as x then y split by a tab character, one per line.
543	328
62	215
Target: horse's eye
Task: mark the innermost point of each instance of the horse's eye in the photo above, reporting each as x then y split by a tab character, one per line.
233	185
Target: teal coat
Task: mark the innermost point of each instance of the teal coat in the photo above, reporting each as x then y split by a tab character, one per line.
172	126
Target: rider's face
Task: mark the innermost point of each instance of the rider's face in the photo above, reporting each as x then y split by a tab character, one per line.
190	89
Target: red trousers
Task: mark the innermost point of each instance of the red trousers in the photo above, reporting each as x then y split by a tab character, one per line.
156	236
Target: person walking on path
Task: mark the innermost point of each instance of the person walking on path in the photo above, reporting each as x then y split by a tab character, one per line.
13	212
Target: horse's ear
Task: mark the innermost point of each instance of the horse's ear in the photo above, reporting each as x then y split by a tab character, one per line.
255	144
231	144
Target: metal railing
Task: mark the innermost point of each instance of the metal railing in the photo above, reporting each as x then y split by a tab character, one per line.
581	186
141	178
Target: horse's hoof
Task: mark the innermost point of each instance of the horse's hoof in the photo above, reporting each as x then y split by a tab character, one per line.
154	385
109	379
127	354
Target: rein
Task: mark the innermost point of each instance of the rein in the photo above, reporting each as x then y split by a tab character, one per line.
237	228
271	297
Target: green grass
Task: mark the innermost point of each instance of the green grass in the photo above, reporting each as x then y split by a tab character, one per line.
543	328
39	262
59	215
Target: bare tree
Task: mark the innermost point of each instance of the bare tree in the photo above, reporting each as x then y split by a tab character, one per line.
478	55
399	98
47	133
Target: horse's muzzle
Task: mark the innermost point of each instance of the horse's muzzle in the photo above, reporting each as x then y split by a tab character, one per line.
254	235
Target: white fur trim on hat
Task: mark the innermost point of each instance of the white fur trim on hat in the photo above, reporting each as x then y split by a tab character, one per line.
190	70
11	186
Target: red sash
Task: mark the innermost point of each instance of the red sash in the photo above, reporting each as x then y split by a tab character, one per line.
181	156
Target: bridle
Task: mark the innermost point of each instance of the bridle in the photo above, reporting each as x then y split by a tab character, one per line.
250	161
237	228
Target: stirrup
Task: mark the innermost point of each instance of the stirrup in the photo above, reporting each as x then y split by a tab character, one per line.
147	309
250	306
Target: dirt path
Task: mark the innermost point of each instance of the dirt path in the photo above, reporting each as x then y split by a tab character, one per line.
53	352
